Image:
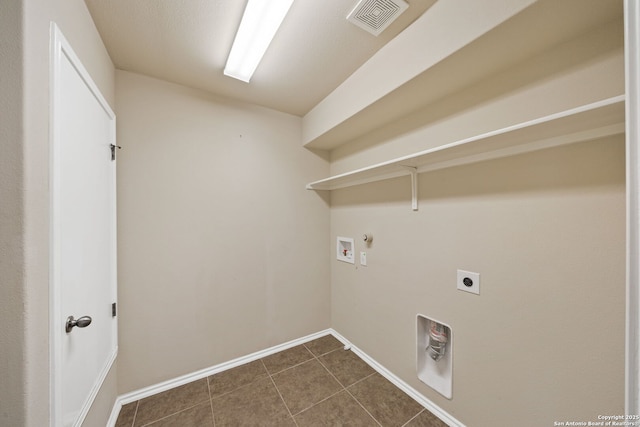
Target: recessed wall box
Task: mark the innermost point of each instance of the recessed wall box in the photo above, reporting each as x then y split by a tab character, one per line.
435	355
345	248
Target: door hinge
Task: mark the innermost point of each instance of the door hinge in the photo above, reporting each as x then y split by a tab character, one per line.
113	310
113	150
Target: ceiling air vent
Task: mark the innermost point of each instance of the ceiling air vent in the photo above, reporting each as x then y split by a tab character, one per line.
376	15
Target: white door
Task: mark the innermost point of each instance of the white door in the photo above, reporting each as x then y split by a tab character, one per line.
83	249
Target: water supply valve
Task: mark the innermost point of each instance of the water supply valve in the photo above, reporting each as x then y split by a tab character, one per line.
437	341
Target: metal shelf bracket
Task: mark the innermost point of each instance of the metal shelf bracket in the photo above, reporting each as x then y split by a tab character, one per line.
414	186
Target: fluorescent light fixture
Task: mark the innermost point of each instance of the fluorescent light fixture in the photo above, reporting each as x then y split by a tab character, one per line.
260	21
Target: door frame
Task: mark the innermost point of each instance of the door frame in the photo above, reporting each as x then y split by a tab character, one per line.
632	120
59	48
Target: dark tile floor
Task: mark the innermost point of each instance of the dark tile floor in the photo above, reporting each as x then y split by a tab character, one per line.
314	384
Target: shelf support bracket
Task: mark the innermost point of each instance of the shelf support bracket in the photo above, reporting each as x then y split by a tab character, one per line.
414	186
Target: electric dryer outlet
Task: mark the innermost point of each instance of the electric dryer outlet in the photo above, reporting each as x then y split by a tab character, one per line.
468	282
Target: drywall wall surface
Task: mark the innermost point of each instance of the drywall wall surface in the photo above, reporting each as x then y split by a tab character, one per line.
222	251
12	348
75	22
548	83
445	28
544	340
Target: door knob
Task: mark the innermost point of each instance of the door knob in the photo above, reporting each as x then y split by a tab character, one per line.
82	322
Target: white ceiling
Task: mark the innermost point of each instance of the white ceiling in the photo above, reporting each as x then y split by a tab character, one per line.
187	42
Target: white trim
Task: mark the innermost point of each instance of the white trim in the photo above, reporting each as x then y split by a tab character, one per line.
55	348
60	47
96	388
115	411
632	83
178	381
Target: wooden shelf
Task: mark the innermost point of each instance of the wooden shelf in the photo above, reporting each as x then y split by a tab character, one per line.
584	123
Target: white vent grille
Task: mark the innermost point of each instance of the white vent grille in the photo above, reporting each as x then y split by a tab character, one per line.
376	15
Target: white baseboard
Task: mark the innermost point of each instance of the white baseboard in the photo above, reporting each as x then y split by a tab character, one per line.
203	373
115	411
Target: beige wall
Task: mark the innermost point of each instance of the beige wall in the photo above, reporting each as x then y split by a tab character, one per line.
24	188
222	251
544	341
12	340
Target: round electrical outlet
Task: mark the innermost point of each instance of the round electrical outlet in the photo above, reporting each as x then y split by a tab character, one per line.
468	281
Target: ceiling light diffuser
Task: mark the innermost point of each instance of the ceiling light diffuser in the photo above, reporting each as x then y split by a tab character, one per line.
259	24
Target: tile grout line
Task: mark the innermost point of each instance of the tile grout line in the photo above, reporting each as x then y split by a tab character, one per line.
356	399
327	369
362	379
358	402
279	394
290	367
343	387
135	414
267	372
414	417
175	413
319	402
314	356
213	417
242	386
362	406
